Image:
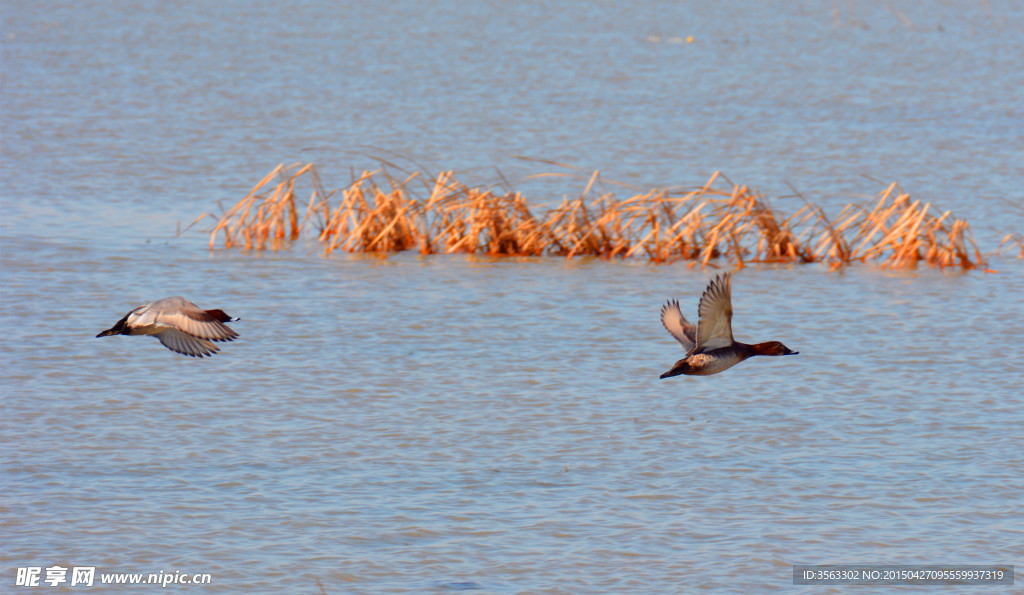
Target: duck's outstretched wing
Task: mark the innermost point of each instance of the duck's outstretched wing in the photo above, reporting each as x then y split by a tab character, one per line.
185	343
714	324
676	324
177	312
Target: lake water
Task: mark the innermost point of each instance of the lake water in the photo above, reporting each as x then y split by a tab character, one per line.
448	423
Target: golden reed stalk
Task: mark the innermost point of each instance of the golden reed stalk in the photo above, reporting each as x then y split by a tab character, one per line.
378	212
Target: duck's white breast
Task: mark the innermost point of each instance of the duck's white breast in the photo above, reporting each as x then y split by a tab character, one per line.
706	364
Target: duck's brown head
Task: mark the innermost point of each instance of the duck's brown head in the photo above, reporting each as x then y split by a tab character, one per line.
772	348
222	316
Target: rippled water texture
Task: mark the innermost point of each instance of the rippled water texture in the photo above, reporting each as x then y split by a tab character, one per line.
437	424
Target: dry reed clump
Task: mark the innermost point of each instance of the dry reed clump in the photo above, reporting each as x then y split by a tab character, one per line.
481	222
367	218
899	231
1013	241
274	220
378	212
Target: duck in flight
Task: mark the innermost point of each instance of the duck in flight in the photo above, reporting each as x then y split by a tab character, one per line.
709	346
179	324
